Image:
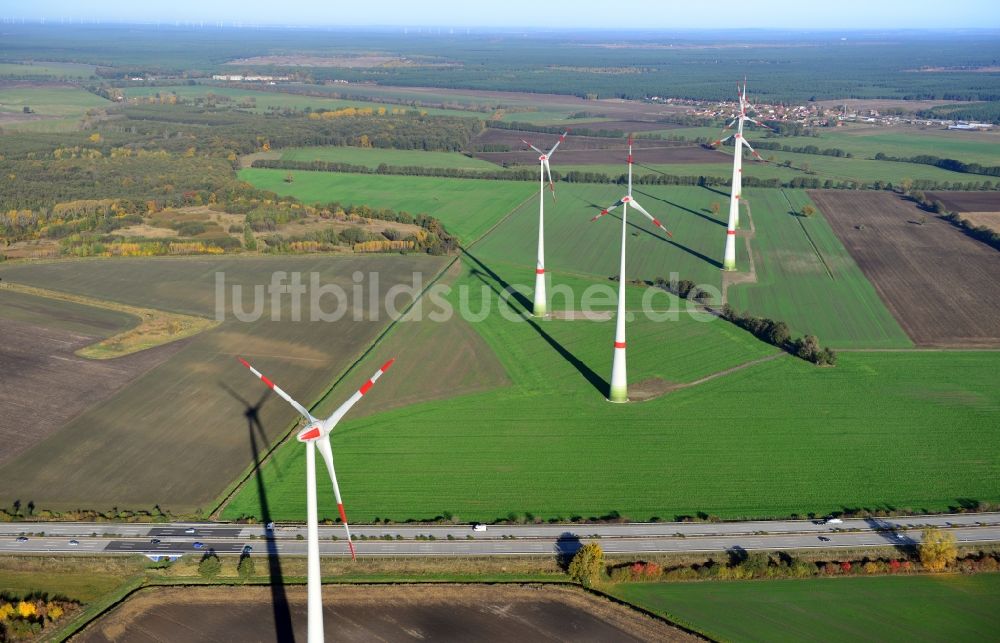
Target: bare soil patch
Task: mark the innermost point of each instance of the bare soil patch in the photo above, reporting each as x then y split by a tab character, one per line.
940	284
379	613
650	389
46	383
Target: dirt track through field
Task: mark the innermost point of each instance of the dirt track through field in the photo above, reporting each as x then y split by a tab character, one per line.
940	284
379	613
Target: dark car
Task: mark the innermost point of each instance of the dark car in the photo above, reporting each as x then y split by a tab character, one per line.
22	539
198	545
824	539
155	541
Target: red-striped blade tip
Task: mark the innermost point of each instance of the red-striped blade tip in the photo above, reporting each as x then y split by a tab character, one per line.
351	545
386	366
244	362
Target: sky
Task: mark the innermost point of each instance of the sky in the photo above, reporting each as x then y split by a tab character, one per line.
639	14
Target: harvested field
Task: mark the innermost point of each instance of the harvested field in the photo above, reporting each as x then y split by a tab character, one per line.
989	220
964	202
622	125
51	385
939	283
189	410
384	613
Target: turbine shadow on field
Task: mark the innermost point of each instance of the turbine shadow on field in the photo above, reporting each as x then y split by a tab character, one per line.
501	287
719	192
900	540
279	601
679	246
686	209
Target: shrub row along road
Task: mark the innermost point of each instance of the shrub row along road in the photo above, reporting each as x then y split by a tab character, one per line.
497	540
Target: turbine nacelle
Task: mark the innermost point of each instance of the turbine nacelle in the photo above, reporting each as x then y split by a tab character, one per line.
310	433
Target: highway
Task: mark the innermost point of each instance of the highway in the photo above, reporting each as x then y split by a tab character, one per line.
498	540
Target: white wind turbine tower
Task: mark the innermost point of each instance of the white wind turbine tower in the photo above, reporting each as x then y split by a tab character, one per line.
316	435
619	380
729	258
541	302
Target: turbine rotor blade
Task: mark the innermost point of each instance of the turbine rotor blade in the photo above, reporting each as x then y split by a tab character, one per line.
606	210
752	151
285	396
532	147
722	140
331	421
655	221
323	444
561	139
548	170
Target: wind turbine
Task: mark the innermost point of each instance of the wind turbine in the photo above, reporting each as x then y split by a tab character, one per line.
316	435
541	302
619	381
729	258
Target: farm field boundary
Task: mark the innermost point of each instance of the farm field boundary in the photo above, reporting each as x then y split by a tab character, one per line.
939	283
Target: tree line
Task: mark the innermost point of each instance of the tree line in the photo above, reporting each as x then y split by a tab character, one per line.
945	164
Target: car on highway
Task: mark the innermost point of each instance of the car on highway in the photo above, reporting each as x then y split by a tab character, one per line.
190	530
824	539
154	541
834	521
479	527
21	539
74	543
198	545
247	549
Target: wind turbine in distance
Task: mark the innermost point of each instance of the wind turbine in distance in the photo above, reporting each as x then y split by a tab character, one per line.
729	257
541	302
619	381
316	435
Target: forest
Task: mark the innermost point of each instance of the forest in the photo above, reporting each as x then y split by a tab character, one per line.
782	66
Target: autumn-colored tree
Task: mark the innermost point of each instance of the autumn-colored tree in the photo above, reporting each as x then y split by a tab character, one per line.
26	609
95	137
6	611
715	207
54	611
937	549
586	566
807	210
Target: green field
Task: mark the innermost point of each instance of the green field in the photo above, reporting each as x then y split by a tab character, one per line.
886	608
864	142
819	167
61	107
806	278
776	438
794	283
50	69
176	436
467	207
265	100
373	157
